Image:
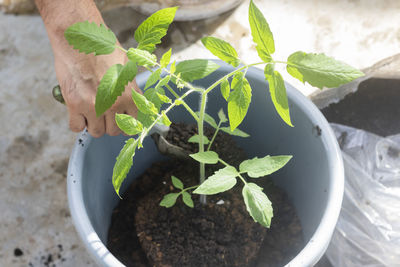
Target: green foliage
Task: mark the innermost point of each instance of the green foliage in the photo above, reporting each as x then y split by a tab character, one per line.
261	33
195	69
208	157
320	70
239	100
259	167
155	27
165	59
222	180
277	91
222	116
128	124
153	78
143	105
257	204
221	49
196	139
123	164
236	132
176	182
90	38
164	119
105	96
169	200
187	199
141	57
225	88
153	95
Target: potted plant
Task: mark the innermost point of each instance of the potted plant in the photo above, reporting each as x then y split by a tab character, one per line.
202	78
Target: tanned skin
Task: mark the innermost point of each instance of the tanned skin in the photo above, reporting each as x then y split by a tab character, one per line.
79	74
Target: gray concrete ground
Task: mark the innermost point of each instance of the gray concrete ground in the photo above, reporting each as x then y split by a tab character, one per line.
34	138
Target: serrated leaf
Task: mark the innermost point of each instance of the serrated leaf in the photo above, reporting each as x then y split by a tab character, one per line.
222	116
236	132
257	204
126	75
261	33
143	104
164	119
141	57
123	164
225	89
153	78
195	69
106	92
165	59
221	49
196	139
222	180
207	157
128	124
320	70
260	167
169	200
176	182
152	95
277	91
145	119
150	32
187	199
90	38
239	100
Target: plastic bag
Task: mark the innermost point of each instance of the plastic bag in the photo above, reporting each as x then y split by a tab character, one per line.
368	230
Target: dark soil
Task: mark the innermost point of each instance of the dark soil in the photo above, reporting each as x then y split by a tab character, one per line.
144	234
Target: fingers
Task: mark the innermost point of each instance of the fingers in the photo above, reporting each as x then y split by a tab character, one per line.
96	125
77	122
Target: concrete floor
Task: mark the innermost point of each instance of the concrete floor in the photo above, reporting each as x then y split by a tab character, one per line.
34	138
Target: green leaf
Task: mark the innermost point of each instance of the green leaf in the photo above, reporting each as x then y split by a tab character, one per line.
207	157
153	78
141	57
187	199
152	95
164	119
90	38
164	81
106	92
172	69
123	164
235	132
320	70
207	118
225	89
222	116
165	59
195	69
143	104
145	119
257	204
221	49
176	182
113	84
277	91
128	124
169	200
196	139
155	27
239	100
261	33
164	98
222	180
260	167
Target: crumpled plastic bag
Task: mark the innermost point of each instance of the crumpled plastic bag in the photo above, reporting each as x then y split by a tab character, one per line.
368	230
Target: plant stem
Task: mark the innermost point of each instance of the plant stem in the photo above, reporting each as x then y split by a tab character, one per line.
189	188
277	61
200	124
122	49
215	135
184	103
240	176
